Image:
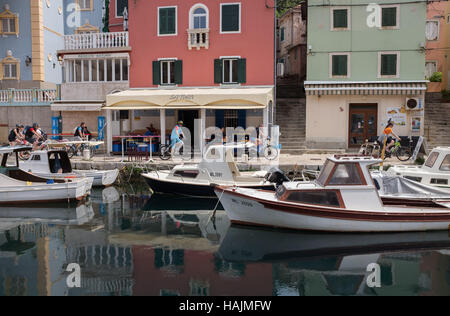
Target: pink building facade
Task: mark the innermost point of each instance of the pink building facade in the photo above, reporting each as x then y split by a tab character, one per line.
211	61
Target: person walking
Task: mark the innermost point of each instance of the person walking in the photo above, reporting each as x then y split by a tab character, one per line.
176	137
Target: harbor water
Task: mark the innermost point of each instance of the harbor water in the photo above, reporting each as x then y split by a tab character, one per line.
127	242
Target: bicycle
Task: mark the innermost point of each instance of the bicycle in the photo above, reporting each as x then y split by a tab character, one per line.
403	153
74	150
165	151
269	151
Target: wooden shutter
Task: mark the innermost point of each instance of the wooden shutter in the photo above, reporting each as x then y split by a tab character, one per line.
242	118
230	18
218	68
388	65
220	118
156	73
178	72
340	19
339	65
389	17
167	21
242	70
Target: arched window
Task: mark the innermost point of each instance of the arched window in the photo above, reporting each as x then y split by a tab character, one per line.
199	17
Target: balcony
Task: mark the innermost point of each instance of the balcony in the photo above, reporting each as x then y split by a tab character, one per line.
28	97
114	41
198	38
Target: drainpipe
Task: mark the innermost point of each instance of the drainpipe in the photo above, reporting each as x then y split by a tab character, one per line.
274	107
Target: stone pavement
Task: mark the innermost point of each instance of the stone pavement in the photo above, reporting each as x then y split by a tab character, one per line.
285	162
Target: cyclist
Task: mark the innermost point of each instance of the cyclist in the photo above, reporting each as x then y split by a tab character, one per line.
32	136
390	142
16	135
79	132
175	137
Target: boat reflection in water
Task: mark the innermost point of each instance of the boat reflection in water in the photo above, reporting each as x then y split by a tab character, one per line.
309	263
130	243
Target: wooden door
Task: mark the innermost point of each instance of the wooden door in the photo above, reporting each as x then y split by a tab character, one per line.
363	123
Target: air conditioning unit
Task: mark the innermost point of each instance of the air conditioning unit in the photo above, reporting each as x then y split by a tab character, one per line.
280	69
413	104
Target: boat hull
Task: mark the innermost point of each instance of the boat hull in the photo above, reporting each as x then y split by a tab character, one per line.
39	193
189	189
245	209
102	178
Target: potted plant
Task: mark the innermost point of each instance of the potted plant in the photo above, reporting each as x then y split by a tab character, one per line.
435	82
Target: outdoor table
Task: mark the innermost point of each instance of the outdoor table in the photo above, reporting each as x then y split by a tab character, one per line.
126	138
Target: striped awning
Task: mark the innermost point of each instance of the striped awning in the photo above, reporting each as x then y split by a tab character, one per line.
410	88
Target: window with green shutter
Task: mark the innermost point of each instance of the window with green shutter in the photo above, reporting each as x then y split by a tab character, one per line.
230	70
282	34
339	65
231	18
167	72
388	65
389	17
340	18
168	21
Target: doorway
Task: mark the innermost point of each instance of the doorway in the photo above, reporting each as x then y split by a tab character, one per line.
188	117
363	123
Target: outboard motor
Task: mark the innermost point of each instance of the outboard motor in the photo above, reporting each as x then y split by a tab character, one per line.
275	175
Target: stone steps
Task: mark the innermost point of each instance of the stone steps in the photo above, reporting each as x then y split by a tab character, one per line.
437	122
290	117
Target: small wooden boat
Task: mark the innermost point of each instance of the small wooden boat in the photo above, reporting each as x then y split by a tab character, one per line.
55	164
344	198
218	167
20	187
435	171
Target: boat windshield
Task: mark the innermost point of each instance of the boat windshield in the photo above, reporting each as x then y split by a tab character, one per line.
432	159
325	173
445	166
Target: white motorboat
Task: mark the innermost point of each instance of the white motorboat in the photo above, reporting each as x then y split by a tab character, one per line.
55	164
20	187
217	167
435	171
344	198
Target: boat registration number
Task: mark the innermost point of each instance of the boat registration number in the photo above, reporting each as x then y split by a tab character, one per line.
243	203
216	174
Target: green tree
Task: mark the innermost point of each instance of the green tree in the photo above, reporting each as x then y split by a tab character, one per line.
284	5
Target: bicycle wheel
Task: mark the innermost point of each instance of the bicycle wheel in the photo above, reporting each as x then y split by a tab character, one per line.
404	154
71	152
164	152
271	153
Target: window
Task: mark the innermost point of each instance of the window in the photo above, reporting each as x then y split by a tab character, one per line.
85	4
328	198
231	118
388	64
389	17
325	173
340	19
9	23
232	70
346	174
10	68
340	65
86	29
186	173
167	72
120	7
85	70
432	30
430	68
431	159
167	21
445	166
230	18
439	181
282	34
199	17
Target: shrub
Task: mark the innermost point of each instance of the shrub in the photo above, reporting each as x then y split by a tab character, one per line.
436	77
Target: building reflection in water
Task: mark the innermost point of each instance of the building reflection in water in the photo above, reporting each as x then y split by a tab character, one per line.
141	245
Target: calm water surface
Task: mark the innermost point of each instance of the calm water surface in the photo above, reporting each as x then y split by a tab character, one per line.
129	243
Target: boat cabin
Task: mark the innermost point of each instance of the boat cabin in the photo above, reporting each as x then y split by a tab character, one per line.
344	182
48	162
13	170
